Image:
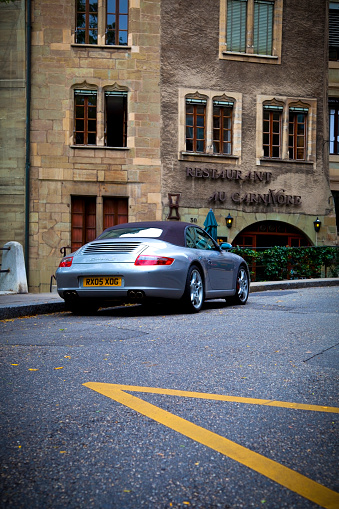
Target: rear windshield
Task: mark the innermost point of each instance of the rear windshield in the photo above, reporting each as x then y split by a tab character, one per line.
131	232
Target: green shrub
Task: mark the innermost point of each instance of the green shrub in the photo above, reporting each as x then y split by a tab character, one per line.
278	263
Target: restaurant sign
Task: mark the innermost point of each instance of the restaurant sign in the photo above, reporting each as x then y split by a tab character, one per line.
273	197
214	174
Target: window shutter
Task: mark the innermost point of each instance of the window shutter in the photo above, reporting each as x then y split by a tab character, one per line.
263	27
236	25
334	25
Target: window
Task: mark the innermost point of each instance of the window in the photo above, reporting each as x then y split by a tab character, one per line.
257	29
297	133
334	125
83	218
198	239
209	124
272	131
195	125
236	25
334	31
117	22
251	30
286	129
115	119
115	211
263	27
87	22
222	127
85	123
104	23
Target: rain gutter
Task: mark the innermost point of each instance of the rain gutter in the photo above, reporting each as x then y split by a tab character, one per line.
28	131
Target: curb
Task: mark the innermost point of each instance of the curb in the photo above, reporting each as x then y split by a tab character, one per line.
8	311
291	284
18	311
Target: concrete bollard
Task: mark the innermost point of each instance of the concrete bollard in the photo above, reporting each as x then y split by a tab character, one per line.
15	279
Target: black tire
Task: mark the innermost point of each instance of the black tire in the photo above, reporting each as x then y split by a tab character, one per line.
242	287
194	294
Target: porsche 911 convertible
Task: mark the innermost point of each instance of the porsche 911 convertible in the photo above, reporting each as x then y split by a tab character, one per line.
151	261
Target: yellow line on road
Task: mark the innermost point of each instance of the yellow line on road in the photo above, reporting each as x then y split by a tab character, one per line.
286	477
221	397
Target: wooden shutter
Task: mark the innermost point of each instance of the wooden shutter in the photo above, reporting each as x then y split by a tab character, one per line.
115	211
83	226
236	25
263	27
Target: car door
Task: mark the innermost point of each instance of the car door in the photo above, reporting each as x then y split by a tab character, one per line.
219	267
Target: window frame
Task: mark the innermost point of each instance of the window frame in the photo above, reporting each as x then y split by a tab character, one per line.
102	25
195	104
211	97
86	94
307	106
271	110
117	30
87	28
223	106
124	96
333	104
249	55
294	133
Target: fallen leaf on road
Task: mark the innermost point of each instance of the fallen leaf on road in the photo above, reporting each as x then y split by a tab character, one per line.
33	369
59	368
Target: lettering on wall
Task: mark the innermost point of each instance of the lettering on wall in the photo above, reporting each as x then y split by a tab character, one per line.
214	174
273	197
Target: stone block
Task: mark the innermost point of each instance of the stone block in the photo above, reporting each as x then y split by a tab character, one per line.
15	279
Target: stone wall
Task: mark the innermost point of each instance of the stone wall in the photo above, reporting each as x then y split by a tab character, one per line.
59	168
12	114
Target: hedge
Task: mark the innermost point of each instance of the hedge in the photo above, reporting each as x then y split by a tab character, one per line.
278	263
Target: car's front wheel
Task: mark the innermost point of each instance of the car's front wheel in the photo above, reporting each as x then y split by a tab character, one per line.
242	287
194	290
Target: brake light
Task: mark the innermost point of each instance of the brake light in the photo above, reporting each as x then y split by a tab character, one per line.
153	260
66	262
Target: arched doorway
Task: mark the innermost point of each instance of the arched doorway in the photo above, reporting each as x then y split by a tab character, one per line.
270	234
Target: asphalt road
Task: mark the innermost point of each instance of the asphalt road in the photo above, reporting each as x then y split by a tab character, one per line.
104	445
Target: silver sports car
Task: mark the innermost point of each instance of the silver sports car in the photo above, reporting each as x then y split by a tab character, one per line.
141	262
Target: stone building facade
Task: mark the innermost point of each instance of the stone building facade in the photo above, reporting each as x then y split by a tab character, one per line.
13	122
86	173
147	110
246	119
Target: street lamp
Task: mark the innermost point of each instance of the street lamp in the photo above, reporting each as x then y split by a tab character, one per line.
229	221
317	224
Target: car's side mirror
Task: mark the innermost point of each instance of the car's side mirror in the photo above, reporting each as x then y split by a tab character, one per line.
225	246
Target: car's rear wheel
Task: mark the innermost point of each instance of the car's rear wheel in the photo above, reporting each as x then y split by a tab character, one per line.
194	290
242	287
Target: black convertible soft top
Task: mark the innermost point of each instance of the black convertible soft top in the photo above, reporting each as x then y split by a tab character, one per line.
173	232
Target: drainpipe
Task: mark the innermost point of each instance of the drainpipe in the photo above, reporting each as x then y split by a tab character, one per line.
28	132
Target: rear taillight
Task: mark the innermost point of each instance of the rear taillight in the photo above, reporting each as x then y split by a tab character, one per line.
66	262
153	260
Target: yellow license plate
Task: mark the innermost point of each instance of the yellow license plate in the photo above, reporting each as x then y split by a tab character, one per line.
101	281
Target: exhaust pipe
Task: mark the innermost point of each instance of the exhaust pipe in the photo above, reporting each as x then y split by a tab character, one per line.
135	294
70	295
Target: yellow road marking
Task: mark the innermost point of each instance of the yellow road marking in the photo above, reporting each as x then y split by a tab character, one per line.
285	476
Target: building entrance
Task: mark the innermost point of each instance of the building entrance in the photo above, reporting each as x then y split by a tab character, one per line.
269	234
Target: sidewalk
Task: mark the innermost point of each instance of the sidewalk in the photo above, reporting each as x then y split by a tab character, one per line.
13	305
